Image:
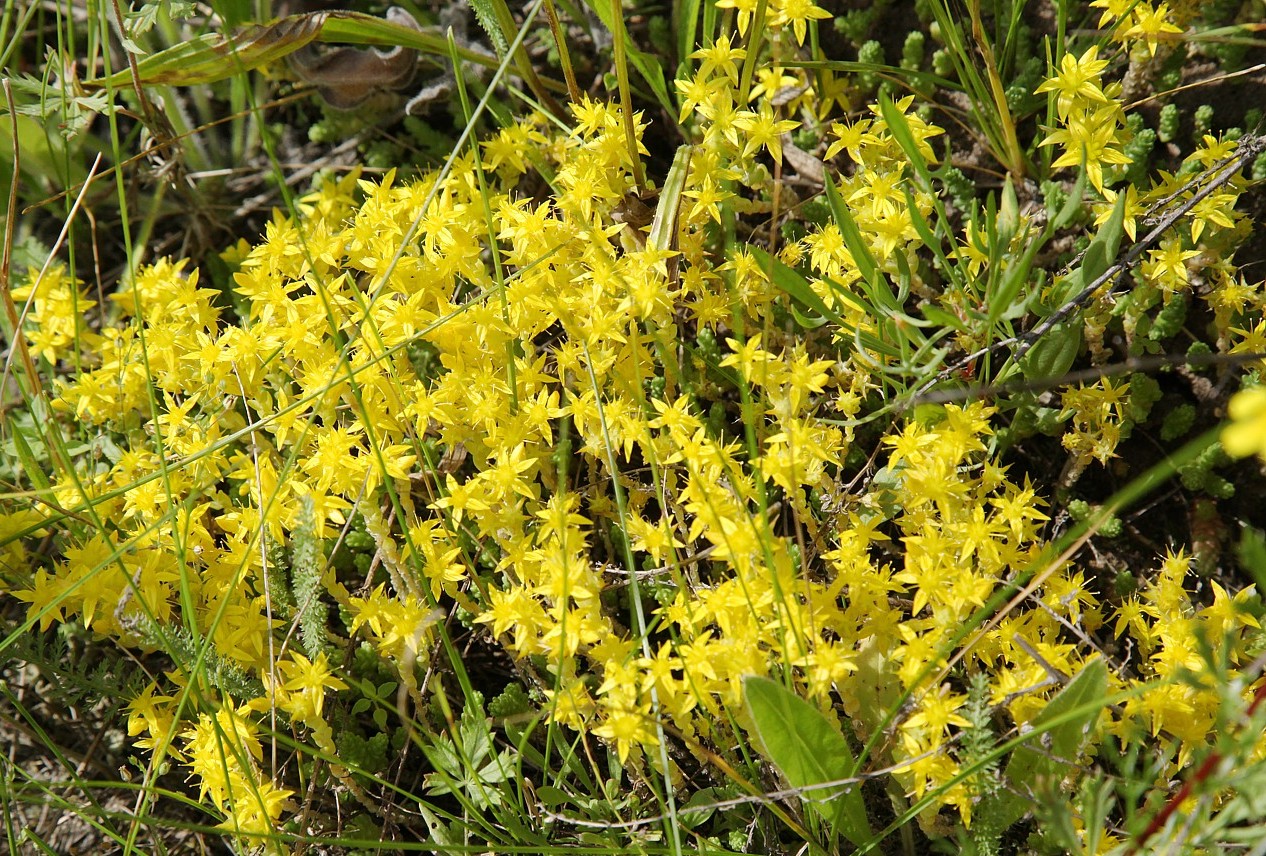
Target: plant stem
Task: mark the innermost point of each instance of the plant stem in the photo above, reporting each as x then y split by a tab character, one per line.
626	96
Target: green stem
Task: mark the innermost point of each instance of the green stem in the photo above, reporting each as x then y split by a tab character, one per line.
564	57
626	96
753	49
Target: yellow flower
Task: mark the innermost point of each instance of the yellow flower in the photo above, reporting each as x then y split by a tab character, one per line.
1246	434
720	57
764	129
745	8
797	13
1078	79
1150	25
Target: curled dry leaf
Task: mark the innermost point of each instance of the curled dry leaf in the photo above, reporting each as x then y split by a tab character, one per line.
346	76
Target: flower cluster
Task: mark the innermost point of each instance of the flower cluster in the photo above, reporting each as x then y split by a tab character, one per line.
1092	130
1143	27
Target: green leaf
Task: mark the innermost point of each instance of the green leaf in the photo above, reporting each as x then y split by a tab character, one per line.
686	23
664	224
799	290
306	565
648	66
808	750
807	322
214	56
1008	214
1059	733
953	271
899	128
1072	204
1098	257
140	22
851	234
941	318
28	462
1054	353
1103	249
1006	302
796	287
1067	721
1251	554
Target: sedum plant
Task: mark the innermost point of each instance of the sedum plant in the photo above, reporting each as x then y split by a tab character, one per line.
654	453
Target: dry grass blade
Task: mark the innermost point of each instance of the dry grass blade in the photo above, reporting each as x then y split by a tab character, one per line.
217	56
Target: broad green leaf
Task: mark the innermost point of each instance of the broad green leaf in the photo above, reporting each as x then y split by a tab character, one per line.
1059	733
808	750
1103	249
1054	353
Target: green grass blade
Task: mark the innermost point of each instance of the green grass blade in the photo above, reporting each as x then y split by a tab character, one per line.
686	24
796	287
851	234
899	127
